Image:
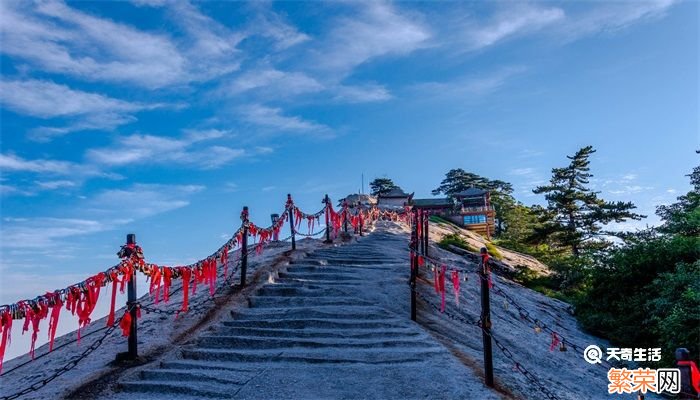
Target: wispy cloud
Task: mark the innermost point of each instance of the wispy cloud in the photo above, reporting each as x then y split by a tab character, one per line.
46	232
470	86
153	149
511	22
83	110
274	26
102	212
58	184
522	171
54	37
142	200
609	17
272	83
273	118
13	162
378	29
365	93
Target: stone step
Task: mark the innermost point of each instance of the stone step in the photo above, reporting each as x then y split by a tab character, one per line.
331	269
182	375
194	388
286	301
249	342
322	276
305	282
315	356
325	323
328	312
355	333
353	261
291	291
216	367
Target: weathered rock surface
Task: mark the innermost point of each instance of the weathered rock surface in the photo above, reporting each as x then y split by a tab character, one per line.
321	330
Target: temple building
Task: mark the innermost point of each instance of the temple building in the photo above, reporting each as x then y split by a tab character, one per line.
470	209
393	199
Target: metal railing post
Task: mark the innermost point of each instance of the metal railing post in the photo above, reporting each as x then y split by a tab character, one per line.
327	201
291	221
414	265
244	245
486	317
133	352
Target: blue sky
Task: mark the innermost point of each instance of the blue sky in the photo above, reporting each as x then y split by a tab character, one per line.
165	119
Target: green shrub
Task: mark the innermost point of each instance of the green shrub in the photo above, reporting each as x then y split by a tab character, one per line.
493	250
456	240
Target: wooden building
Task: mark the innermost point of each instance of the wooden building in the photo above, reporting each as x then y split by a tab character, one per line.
470	208
394	199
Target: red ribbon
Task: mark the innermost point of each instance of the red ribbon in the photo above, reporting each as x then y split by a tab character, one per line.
455	285
555	341
167	280
53	320
155	282
443	270
6	325
125	323
224	260
115	280
186	274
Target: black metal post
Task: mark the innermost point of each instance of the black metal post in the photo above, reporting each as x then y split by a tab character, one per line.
275	218
425	233
414	266
244	245
362	218
132	353
291	223
327	201
421	241
345	217
486	318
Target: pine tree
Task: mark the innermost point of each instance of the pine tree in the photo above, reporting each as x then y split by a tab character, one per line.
683	217
574	214
381	185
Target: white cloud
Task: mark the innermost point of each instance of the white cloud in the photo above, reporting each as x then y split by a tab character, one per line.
210	46
522	171
46	232
379	29
14	163
362	94
273	82
231	187
54	37
511	22
58	184
84	110
629	189
158	150
470	86
608	17
149	3
263	150
273	26
141	200
6	190
273	118
103	212
45	99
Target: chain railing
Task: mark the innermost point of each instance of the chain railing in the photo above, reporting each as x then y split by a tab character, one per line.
81	297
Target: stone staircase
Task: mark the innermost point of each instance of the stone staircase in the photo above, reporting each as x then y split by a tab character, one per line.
334	325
